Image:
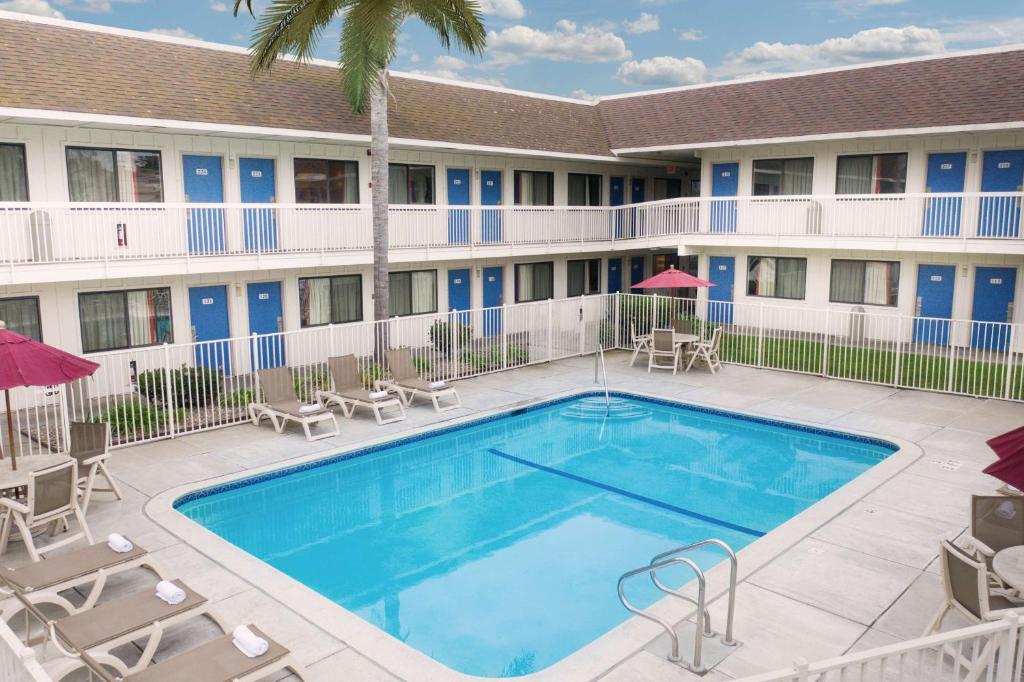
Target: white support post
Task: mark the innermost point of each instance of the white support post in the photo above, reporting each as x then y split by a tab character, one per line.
504	336
1008	382
169	392
760	334
1006	657
802	669
551	329
899	350
583	326
617	319
453	342
826	342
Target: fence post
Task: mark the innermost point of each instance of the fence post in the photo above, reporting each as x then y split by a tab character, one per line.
1008	388
617	318
825	344
255	355
551	329
504	336
899	350
1006	657
453	342
760	334
583	326
802	669
169	392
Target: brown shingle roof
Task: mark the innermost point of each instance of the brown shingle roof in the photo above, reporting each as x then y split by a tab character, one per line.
969	89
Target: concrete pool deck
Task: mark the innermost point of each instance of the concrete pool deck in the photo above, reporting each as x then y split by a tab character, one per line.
864	578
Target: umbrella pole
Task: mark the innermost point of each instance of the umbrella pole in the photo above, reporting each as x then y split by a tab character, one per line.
10	430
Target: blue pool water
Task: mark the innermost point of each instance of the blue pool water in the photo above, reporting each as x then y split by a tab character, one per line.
495	547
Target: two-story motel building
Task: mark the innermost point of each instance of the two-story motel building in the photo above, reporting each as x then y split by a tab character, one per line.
151	191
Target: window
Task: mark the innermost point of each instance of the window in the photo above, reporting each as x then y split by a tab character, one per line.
114	175
534	188
21	315
865	282
13	175
776	277
584	277
320	181
667	188
323	300
125	319
409	184
872	174
413	293
535	282
774	177
584	189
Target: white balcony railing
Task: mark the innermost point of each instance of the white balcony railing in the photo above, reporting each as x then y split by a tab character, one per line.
84	232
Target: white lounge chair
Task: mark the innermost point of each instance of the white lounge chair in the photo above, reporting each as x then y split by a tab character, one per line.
52	501
90	445
408	383
663	345
281	405
707	351
348	393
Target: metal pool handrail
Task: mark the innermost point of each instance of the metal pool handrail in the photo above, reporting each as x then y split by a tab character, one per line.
727	640
599	358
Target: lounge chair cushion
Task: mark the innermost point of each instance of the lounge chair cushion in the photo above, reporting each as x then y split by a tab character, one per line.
362	395
216	661
421	385
291	408
64	567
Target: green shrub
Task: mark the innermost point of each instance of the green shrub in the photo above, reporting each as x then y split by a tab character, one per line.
375	372
128	417
517	355
482	361
240	398
422	365
190	386
306	388
441	336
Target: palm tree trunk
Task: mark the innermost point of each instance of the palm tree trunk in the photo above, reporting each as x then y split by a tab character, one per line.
379	198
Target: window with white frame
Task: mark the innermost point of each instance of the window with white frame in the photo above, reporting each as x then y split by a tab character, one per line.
534	188
871	174
775	277
410	184
775	177
667	188
326	181
13	173
583	277
21	315
119	175
535	281
327	300
414	292
112	320
585	189
865	282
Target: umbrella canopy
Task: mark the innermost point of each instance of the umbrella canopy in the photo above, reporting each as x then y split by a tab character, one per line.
27	362
1008	470
672	279
1009	444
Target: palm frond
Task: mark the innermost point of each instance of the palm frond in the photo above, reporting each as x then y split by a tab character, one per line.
368	43
291	27
458	20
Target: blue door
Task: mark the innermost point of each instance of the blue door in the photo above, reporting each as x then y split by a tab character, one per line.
934	303
208	310
945	175
493	298
637	195
204	184
458	195
266	317
617	197
724	183
614	275
1002	171
636	270
993	302
723	276
490	195
259	186
458	293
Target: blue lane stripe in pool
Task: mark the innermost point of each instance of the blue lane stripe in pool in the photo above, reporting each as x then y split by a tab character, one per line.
626	493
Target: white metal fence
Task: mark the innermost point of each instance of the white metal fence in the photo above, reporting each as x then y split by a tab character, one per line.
18	663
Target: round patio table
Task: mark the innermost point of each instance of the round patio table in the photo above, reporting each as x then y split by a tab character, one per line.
1008	564
683	339
10	480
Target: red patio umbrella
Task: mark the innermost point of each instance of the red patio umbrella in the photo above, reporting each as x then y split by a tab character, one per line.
27	362
1009	444
672	279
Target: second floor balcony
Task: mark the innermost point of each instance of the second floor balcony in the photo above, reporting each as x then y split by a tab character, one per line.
69	241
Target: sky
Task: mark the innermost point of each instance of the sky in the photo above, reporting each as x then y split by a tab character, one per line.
588	48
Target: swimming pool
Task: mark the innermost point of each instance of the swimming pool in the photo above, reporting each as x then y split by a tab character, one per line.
495	546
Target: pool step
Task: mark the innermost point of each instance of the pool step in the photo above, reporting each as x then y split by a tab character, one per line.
597	408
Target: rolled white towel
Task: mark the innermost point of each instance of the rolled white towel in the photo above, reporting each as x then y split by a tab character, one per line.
1005	510
246	641
119	543
378	395
434	385
170	593
309	409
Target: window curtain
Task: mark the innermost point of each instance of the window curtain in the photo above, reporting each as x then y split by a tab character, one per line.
398	185
102	319
22	316
577	190
577	271
91	175
401	294
344	182
876	283
126	181
790	277
525	181
316	301
854	175
797	176
542	281
346	299
847	281
524	285
12	173
424	292
766	277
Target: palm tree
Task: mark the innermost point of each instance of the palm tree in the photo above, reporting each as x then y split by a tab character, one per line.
369	40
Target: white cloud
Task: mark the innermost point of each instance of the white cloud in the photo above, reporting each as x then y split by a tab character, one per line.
505	9
95	6
218	6
858	6
662	71
174	33
645	23
690	34
453	68
583	94
869	45
39	7
567	43
977	32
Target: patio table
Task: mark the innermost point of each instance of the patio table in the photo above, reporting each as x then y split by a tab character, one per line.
11	480
1008	564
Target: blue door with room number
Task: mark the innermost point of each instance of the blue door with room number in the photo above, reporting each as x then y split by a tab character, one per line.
617	197
1001	171
945	176
614	275
458	195
208	312
458	293
266	320
258	186
636	270
724	183
934	307
637	195
993	303
490	195
493	299
723	276
204	184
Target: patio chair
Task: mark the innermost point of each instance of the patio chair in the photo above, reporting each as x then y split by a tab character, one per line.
707	351
281	405
682	326
641	342
408	383
663	345
348	393
997	522
52	500
90	445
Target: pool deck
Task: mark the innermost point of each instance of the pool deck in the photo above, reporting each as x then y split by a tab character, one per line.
865	577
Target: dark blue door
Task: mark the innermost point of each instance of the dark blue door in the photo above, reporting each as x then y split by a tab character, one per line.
724	183
490	195
934	303
636	270
1002	171
493	298
266	317
458	195
993	302
208	310
617	197
723	276
945	175
259	186
637	195
458	293
204	184
614	275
